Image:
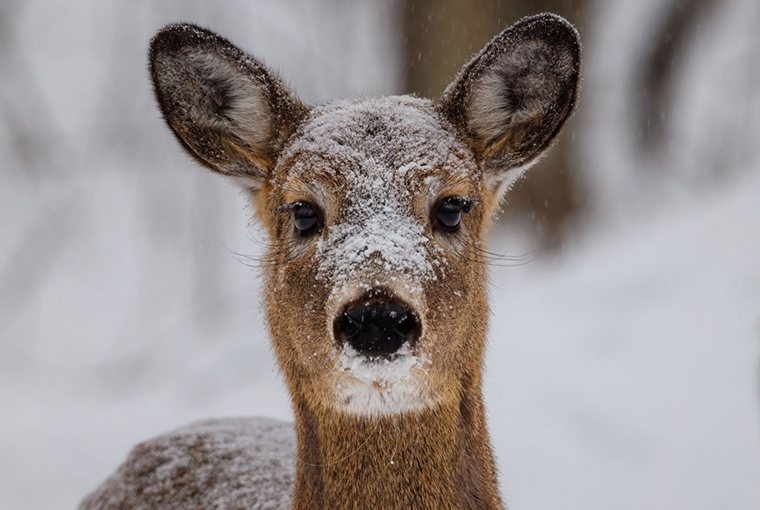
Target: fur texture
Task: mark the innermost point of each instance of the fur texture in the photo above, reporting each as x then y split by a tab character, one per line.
240	464
408	431
226	109
381	166
512	99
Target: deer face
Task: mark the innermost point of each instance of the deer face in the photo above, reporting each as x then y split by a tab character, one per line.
376	208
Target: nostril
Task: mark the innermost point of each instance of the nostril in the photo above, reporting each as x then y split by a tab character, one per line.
377	328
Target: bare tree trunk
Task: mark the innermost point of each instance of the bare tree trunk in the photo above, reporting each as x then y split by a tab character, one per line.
661	65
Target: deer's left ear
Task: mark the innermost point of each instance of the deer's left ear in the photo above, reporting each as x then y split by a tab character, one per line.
512	99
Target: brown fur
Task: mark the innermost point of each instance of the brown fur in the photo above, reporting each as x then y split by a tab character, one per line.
382	164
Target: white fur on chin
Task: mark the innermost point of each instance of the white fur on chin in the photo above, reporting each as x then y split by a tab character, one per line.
381	387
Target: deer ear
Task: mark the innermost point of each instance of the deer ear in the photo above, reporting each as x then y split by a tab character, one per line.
512	99
226	109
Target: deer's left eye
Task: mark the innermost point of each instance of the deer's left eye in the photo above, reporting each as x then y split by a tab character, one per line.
448	213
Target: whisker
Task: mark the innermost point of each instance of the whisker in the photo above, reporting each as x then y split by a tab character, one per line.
501	256
479	256
272	255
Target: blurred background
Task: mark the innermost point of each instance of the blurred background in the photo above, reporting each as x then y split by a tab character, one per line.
623	369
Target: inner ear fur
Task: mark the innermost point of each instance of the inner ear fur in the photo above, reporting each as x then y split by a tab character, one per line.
512	99
226	109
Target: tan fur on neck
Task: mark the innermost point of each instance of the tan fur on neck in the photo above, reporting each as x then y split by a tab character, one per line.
438	459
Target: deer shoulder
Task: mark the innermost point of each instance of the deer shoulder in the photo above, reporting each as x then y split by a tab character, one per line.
236	463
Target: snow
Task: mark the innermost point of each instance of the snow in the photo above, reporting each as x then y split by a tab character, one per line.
626	375
382	371
402	248
382	387
239	463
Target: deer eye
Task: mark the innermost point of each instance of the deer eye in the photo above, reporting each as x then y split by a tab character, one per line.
305	217
448	214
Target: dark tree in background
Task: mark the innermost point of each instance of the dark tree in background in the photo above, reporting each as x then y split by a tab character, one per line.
660	65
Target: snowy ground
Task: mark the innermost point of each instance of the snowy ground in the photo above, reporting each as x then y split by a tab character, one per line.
627	376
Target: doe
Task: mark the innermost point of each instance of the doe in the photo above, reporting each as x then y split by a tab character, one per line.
376	300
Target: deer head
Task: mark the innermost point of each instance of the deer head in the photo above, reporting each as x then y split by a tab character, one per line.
375	208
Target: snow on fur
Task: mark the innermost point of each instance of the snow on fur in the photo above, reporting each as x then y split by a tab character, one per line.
380	149
229	463
380	386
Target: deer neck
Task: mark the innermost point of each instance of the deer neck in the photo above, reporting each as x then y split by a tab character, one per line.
437	459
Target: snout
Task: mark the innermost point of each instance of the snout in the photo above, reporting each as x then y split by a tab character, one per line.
377	326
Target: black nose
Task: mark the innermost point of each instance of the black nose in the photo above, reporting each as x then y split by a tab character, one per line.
377	329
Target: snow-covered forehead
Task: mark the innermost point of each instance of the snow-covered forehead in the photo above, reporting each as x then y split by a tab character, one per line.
379	162
379	137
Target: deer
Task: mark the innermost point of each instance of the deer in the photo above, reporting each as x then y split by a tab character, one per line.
375	281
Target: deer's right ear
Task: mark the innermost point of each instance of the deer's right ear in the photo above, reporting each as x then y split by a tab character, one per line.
226	109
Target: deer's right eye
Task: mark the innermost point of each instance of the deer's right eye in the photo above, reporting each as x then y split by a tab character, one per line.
305	218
